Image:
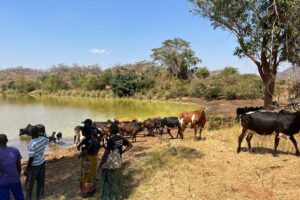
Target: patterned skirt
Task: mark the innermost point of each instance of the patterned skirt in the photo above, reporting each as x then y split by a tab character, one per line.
88	175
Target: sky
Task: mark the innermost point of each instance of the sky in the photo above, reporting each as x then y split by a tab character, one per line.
39	34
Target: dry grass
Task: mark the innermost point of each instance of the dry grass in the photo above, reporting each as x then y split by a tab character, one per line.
194	169
211	169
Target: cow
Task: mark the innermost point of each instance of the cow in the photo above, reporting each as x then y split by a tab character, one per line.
56	137
265	123
130	129
102	125
152	124
126	120
244	110
28	128
170	123
195	119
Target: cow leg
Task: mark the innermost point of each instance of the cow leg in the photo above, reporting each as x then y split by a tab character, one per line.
241	137
169	132
195	131
276	144
200	131
248	138
295	144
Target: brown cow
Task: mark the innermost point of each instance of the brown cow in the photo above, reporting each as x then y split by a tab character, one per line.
195	120
126	120
130	129
152	124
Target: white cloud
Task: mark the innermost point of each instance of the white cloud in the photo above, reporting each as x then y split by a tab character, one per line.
99	51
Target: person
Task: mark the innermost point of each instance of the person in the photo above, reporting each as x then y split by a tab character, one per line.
89	148
10	170
35	170
110	165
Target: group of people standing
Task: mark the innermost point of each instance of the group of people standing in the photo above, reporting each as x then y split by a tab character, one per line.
108	172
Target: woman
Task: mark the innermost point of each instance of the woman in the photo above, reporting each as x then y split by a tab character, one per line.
89	153
110	165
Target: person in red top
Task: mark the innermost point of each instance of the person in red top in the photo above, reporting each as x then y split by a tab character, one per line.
10	170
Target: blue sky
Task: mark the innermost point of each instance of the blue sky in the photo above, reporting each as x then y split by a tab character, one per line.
39	34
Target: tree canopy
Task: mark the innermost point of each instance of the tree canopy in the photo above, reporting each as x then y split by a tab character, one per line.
177	56
267	31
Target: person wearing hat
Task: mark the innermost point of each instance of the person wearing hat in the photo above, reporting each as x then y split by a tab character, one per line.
10	170
89	148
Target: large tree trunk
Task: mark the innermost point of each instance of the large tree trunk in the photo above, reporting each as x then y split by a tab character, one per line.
269	83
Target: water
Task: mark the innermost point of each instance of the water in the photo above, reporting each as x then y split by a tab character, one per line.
64	113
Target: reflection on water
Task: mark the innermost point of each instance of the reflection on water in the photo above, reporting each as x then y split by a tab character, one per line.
64	113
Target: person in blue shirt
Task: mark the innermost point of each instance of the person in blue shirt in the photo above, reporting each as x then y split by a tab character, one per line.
10	170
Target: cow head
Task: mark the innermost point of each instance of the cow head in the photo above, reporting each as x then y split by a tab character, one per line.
25	131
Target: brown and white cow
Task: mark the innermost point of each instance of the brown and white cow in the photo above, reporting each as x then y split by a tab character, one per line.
195	119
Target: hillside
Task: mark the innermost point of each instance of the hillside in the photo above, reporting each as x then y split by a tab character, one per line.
290	73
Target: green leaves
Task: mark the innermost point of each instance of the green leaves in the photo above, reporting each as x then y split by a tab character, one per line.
177	56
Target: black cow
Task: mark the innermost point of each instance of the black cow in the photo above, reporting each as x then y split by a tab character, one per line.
170	123
55	137
27	130
244	110
102	125
265	123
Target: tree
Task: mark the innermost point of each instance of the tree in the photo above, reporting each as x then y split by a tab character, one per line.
267	31
202	72
177	56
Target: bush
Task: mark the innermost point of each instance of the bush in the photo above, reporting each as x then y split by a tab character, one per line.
124	84
231	94
95	83
77	80
228	71
198	90
25	86
54	83
294	90
202	72
216	122
214	91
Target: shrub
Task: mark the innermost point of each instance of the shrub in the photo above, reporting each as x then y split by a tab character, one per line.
25	86
124	84
214	91
54	83
77	80
228	71
231	94
95	83
202	72
198	90
294	90
216	122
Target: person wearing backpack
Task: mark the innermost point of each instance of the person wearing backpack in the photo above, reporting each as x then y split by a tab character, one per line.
111	179
89	153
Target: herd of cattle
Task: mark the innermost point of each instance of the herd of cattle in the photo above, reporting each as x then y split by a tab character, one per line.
252	119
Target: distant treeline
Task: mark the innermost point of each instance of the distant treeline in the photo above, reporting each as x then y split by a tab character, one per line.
139	80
